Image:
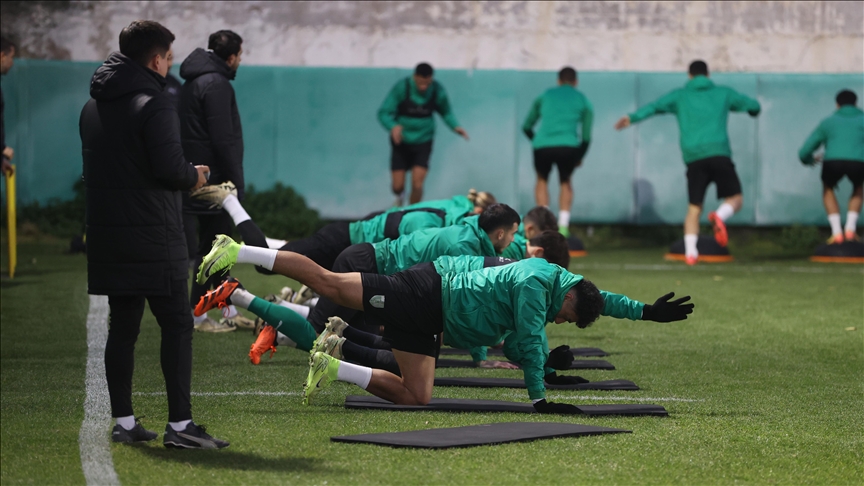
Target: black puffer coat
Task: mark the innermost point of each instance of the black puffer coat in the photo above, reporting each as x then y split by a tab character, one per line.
134	172
210	122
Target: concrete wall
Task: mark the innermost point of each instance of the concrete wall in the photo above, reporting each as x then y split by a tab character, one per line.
802	36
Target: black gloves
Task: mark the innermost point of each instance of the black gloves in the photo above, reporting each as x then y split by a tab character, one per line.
529	133
554	379
665	311
561	358
551	407
753	113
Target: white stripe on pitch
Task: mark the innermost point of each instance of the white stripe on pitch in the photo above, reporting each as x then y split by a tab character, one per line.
96	461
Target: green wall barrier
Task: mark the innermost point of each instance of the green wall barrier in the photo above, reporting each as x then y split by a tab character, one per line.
316	130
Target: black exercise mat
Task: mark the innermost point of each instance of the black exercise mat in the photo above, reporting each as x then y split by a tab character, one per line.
476	435
516	383
584	352
464	405
578	364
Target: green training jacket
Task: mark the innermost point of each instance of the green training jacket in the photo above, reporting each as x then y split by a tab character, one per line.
481	307
615	305
416	130
372	230
843	136
702	109
425	246
562	109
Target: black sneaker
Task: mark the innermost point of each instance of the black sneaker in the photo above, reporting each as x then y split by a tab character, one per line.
192	437
137	434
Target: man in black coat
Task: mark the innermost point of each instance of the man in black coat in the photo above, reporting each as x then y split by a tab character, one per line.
134	172
212	136
7	56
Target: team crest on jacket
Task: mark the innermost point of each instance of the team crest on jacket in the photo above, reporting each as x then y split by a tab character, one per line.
377	301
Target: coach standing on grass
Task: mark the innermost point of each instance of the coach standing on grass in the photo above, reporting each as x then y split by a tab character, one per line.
212	136
134	172
407	113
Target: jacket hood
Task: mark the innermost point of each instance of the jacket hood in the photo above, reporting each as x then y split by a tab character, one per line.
700	82
486	245
202	62
562	285
119	76
849	110
460	208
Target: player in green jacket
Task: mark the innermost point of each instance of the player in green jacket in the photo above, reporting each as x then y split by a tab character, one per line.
843	136
702	109
538	220
327	243
559	140
415	306
407	113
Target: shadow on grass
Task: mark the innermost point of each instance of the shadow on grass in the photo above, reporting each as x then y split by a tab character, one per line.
238	461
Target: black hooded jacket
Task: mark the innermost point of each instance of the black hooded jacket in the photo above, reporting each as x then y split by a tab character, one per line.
209	120
134	172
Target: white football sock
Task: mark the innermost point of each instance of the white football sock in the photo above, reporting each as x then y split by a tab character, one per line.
283	340
690	245
264	257
275	244
127	423
564	218
351	373
311	303
199	319
241	298
179	426
851	221
725	211
229	312
300	309
232	205
834	220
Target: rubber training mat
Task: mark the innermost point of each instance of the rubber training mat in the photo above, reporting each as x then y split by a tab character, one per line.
465	405
516	383
477	435
584	352
578	364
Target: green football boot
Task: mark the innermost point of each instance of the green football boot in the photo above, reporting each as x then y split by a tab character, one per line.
222	257
323	371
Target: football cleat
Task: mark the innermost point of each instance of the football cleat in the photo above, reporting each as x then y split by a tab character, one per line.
221	258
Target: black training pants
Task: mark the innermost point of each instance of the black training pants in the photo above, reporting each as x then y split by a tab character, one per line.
356	258
175	320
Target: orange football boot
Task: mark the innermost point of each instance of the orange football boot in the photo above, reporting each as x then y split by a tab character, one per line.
217	297
266	341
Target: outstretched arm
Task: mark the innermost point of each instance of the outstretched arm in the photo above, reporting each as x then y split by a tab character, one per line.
813	142
531	119
667	104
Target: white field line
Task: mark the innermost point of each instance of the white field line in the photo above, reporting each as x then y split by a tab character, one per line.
96	461
716	268
227	394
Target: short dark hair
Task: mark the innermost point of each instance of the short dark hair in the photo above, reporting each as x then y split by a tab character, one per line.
143	39
6	45
589	303
567	75
542	217
424	70
224	44
846	97
498	216
698	68
555	249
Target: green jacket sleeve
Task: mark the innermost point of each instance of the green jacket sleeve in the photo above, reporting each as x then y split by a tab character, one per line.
666	104
388	110
530	336
533	116
740	102
621	307
419	220
812	143
587	121
478	354
442	105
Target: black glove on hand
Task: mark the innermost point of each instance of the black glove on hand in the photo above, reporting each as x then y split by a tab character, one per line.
560	358
665	311
551	407
554	379
529	133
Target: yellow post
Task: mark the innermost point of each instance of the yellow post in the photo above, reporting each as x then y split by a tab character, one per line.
10	219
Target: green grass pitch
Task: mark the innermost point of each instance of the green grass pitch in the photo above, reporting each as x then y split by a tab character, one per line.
763	384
